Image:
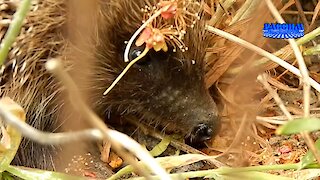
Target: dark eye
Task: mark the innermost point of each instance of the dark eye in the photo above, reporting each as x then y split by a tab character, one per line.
136	52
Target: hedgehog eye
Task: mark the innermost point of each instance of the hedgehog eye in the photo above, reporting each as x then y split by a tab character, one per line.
136	52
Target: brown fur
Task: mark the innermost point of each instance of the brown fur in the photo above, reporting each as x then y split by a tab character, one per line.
169	91
30	85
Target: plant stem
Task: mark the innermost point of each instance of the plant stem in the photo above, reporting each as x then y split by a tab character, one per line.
45	137
221	9
312	51
304	74
14	29
306	38
259	168
134	36
262	52
125	71
225	171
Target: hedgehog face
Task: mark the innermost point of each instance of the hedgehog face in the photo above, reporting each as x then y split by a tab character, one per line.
164	88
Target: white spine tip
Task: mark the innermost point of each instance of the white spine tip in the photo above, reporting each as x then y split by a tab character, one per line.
51	64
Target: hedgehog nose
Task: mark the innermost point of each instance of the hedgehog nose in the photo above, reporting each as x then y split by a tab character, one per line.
199	134
203	132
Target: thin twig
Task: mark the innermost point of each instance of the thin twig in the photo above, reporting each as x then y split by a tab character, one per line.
220	11
302	65
286	6
125	71
118	140
315	16
238	136
262	52
304	74
245	11
228	171
296	12
263	80
271	121
48	138
134	36
312	51
301	13
306	38
283	118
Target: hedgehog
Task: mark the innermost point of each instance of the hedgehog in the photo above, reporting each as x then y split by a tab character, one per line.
165	88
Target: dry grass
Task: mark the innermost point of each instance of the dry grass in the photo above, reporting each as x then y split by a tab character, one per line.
241	95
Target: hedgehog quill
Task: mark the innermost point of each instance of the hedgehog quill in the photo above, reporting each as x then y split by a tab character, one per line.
165	87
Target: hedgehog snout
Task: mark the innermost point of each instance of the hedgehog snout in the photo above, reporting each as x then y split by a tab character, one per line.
199	134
